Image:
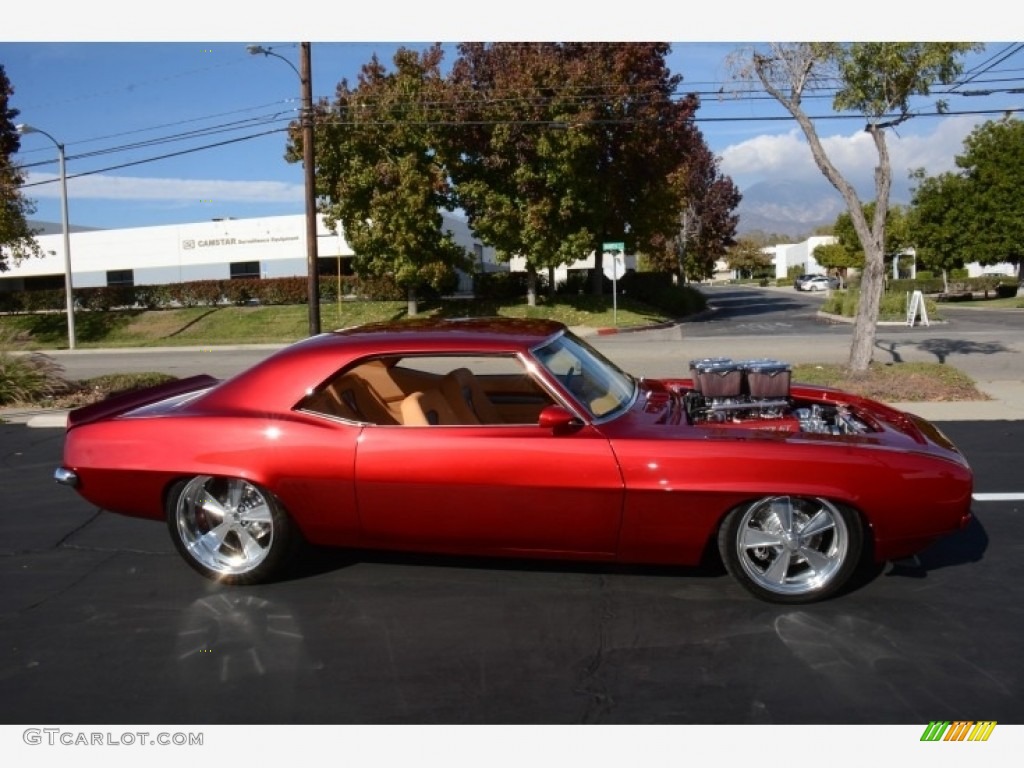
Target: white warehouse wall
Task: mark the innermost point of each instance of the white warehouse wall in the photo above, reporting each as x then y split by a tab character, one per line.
198	251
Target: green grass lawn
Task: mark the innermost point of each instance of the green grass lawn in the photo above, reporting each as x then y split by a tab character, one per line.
284	324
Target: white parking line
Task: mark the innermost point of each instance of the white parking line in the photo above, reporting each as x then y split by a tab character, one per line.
998	497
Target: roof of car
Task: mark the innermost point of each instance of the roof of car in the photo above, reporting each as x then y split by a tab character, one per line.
503	329
280	380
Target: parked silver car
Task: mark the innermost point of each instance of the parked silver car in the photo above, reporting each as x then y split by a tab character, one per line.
818	283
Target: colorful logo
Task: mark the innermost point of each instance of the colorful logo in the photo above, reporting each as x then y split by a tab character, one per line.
958	730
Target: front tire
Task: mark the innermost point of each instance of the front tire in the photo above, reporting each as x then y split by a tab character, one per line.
229	529
791	549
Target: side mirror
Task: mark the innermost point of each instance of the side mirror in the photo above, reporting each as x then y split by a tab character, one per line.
558	420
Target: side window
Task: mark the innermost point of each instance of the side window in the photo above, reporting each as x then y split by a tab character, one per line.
432	390
365	393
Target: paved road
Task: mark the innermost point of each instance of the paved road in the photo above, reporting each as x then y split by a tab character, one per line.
748	322
102	623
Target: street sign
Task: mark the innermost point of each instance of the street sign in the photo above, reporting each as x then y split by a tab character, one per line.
614	262
614	267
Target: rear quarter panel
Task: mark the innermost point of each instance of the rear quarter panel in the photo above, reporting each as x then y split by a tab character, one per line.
126	465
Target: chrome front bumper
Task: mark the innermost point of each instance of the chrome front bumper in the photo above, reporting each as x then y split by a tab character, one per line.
65	476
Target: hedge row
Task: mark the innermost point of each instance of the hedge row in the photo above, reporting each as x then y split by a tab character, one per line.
998	285
196	293
653	288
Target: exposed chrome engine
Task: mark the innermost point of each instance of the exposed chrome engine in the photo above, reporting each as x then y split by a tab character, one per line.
755	394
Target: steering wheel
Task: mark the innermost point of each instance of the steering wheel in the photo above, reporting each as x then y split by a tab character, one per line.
575	382
567	378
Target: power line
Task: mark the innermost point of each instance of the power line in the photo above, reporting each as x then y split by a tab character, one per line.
158	157
578	96
457	123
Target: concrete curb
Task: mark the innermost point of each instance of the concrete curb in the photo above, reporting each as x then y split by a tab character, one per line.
881	323
49	421
636	329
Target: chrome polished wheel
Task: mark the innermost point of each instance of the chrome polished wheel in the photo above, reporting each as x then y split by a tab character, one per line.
227	528
791	549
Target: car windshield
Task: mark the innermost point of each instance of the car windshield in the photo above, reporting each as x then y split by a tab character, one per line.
594	381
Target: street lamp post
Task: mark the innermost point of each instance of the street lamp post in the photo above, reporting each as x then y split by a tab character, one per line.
309	168
68	287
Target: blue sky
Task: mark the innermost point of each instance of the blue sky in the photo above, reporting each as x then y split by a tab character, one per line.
153	85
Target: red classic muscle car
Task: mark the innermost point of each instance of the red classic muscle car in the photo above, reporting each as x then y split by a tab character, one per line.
517	438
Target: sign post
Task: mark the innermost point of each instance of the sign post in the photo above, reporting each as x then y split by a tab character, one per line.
614	268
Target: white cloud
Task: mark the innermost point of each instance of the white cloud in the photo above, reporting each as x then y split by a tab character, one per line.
787	157
103	187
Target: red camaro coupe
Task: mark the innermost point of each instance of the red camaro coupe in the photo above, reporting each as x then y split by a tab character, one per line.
517	438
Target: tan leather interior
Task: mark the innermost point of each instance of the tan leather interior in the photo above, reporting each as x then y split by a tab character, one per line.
377	379
465	395
352	397
428	408
373	393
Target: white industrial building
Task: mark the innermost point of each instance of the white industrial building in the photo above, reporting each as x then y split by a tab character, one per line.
801	255
628	262
787	255
271	246
274	246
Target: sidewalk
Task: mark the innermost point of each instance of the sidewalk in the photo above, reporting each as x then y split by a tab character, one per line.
1007	404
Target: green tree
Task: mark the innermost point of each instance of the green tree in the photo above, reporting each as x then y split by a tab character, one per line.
707	220
876	80
642	134
514	155
939	206
564	146
748	258
17	239
838	258
993	169
380	176
848	253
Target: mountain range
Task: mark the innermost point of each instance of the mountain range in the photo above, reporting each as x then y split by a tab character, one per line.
788	207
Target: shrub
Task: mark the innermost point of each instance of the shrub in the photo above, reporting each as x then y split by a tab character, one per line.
238	291
196	293
110	384
500	286
575	283
11	301
383	288
29	378
105	298
893	305
925	285
284	290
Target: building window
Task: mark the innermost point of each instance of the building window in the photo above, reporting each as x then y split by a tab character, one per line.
120	278
245	270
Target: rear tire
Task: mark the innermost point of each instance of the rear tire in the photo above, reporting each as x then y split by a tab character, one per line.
229	529
791	549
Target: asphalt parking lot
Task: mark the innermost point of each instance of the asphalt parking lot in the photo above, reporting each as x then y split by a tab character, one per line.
103	623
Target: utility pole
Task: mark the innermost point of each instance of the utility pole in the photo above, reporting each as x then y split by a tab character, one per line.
305	73
309	166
